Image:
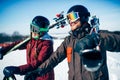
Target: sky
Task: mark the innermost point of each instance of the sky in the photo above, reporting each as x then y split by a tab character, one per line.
16	15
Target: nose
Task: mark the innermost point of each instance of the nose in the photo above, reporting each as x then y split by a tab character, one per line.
72	23
34	34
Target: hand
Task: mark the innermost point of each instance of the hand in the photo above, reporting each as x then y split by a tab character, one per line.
1	55
87	42
33	74
11	70
30	76
90	55
10	78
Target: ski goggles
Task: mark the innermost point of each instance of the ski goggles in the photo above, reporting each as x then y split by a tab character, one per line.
73	16
37	29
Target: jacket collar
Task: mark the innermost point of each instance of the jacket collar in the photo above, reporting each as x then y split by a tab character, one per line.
81	32
46	37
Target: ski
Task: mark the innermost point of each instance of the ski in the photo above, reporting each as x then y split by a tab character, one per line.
59	22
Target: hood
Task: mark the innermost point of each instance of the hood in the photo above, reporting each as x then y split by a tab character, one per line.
46	37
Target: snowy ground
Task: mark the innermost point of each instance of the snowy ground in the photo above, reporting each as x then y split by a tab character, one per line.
18	57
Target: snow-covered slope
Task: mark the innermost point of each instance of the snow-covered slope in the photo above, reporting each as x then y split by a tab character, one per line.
113	60
18	57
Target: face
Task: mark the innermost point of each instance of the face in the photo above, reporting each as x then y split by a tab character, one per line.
35	35
73	20
74	25
36	31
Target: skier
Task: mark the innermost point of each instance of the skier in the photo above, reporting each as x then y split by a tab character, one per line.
38	49
73	45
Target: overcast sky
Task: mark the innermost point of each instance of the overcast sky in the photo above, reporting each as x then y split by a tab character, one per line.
16	15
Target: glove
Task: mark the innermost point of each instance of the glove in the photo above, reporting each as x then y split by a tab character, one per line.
2	52
1	55
33	74
11	70
87	48
88	42
10	78
30	76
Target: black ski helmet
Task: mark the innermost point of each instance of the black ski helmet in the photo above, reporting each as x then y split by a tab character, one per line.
41	23
83	11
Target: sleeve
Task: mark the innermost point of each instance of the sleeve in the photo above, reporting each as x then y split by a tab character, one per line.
111	40
43	54
58	56
8	46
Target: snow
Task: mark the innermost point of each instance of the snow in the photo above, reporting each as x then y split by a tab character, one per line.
113	60
18	57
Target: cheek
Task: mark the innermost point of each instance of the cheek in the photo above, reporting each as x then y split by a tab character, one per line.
34	34
75	25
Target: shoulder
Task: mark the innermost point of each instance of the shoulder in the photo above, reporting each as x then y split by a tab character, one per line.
47	42
67	38
47	37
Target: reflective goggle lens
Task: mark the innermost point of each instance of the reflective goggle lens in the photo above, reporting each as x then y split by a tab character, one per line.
73	16
36	29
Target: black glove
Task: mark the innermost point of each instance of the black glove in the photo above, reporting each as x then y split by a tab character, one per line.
1	55
11	70
87	48
33	74
10	78
87	42
30	76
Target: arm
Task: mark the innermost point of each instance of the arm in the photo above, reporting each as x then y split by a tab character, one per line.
111	40
42	54
56	57
6	48
89	51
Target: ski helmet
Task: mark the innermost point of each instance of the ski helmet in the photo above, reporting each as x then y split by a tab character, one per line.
82	12
39	24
